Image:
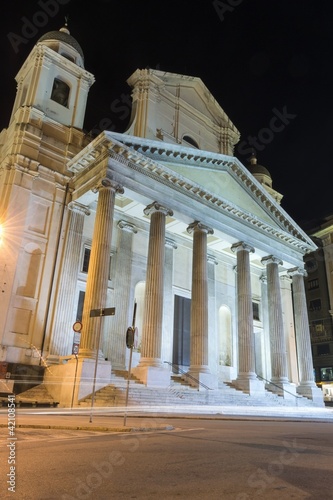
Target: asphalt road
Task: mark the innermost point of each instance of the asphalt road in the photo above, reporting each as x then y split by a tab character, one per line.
196	459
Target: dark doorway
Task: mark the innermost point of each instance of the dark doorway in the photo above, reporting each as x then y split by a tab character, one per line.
181	332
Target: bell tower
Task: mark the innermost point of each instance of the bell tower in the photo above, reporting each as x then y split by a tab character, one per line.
54	81
45	132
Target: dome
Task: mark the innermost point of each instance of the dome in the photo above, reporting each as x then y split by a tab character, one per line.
62	35
255	168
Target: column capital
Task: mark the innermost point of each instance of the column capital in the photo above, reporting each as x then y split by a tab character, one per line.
170	243
263	278
157	207
108	183
297	271
270	259
242	246
211	259
198	226
74	206
127	226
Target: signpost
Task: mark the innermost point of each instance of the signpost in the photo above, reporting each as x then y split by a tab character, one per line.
95	313
131	336
77	327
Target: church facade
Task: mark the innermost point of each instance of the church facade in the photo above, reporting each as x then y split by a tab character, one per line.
160	228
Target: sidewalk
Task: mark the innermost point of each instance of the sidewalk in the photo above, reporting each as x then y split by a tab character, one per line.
146	419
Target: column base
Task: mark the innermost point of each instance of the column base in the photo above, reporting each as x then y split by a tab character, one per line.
200	380
311	392
252	386
69	383
152	376
282	388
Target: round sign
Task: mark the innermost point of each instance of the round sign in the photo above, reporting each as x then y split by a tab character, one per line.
77	327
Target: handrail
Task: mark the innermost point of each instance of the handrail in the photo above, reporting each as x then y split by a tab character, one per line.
188	375
276	385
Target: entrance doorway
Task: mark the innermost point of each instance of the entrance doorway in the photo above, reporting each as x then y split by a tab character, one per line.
181	332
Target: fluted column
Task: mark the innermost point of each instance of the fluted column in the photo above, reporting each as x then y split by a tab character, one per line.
115	347
153	311
246	379
279	380
289	327
199	369
98	272
307	385
62	335
168	308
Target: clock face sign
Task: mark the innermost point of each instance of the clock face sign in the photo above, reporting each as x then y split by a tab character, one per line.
77	327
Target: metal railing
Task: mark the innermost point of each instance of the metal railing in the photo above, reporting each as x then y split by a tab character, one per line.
187	375
280	387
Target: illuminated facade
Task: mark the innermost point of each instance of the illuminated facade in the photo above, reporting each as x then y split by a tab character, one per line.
163	216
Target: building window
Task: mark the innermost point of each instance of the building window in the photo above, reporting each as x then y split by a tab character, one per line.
323	349
311	265
326	373
255	309
313	284
190	141
86	260
60	92
315	305
79	311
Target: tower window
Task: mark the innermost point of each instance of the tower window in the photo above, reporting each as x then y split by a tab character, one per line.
60	92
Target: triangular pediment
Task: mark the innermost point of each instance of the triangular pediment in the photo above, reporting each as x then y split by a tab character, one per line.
224	185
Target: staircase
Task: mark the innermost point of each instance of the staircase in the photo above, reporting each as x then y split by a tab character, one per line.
37	396
181	393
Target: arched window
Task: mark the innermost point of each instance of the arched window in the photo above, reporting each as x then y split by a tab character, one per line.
190	141
60	92
225	337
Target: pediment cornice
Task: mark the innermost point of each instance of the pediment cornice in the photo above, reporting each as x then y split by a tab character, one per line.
148	158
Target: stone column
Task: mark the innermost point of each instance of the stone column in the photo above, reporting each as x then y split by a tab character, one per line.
115	345
212	313
98	272
279	382
307	386
247	380
168	307
199	369
150	369
289	327
62	336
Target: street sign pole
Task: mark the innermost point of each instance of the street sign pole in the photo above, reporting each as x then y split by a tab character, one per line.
94	313
131	343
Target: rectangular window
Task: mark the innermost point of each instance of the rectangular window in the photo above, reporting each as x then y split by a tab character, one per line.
315	305
323	349
326	373
86	259
255	309
313	284
79	311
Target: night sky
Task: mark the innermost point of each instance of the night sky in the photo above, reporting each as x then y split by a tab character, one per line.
267	62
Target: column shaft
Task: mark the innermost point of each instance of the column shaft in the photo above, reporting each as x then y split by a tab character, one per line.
62	335
305	362
115	346
246	350
99	265
199	300
276	327
153	313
